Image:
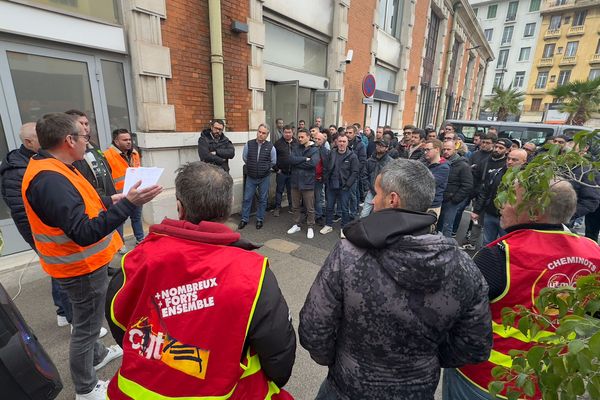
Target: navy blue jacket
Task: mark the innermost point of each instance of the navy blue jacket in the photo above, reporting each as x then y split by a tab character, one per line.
303	171
440	172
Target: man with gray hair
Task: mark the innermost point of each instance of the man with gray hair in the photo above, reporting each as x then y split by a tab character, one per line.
393	303
537	252
193	289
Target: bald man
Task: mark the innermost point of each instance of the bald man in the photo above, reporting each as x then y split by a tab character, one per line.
484	203
12	170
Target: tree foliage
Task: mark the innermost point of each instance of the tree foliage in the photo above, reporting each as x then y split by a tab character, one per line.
504	102
579	98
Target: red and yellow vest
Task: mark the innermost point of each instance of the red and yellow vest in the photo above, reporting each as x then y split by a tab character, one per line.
560	259
59	255
186	308
119	165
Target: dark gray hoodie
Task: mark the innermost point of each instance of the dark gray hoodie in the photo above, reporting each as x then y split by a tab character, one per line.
392	305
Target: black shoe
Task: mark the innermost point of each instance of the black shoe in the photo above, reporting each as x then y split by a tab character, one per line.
337	218
259	224
242	224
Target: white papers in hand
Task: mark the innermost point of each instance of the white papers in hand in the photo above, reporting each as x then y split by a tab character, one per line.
148	175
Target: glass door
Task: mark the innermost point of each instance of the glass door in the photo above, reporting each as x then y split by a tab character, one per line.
326	104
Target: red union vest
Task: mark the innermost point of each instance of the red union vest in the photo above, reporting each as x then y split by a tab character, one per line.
560	258
186	308
59	255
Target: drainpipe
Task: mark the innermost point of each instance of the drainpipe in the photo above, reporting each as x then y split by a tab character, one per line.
443	105
216	58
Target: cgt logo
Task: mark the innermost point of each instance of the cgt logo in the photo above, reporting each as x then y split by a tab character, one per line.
562	280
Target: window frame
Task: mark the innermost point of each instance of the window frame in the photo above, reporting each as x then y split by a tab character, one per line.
521	76
521	51
505	60
512	16
541	74
548	46
507	35
553	18
526	29
570	45
564	76
578	14
491	31
499	82
532	2
489	9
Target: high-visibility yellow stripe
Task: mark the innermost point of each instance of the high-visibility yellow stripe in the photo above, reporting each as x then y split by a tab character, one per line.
273	390
500	359
137	391
112	302
258	290
58	239
507	266
559	232
253	365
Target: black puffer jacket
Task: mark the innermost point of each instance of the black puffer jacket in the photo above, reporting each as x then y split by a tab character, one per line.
303	171
392	305
12	170
223	148
460	180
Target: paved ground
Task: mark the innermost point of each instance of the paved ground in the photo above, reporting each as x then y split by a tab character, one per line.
294	259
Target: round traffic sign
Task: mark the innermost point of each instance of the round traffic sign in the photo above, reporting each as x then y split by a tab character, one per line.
368	85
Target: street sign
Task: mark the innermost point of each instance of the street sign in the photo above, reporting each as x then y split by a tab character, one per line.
368	85
368	100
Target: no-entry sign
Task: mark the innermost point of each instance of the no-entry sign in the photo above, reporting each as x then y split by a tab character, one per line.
368	85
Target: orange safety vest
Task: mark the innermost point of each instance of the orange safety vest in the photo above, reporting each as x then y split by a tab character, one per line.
118	165
560	258
60	256
186	308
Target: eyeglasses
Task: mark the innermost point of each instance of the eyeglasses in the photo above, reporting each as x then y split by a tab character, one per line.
86	138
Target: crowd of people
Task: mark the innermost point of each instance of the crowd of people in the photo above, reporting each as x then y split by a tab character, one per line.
197	313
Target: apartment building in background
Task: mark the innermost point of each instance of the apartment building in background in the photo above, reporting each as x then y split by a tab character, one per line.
568	49
512	28
164	69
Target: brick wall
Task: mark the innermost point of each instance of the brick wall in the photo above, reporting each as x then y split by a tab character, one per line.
360	21
186	33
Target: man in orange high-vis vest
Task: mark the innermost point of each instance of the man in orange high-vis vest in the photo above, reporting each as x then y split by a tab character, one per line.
537	252
198	315
122	155
73	229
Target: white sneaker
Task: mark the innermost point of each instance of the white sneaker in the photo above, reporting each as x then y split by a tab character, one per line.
103	332
326	229
61	320
293	229
342	236
114	351
310	233
98	393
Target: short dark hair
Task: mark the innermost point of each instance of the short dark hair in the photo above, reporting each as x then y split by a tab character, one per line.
353	127
333	126
478	134
288	128
217	121
421	133
485	136
117	132
76	113
357	125
205	192
52	129
303	130
303	121
278	119
409	126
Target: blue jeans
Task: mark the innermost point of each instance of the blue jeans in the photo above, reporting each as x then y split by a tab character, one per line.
367	205
458	217
61	301
263	192
342	199
447	216
136	224
354	200
491	228
87	294
284	182
319	199
457	387
326	392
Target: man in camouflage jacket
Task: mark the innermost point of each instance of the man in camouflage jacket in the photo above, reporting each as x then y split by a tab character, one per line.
393	303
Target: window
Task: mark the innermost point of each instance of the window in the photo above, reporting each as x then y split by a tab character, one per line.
519	79
555	22
386	78
476	11
502	58
291	49
492	11
598	47
536	104
542	79
571	49
563	77
116	95
529	30
488	34
524	53
560	2
548	50
511	14
507	34
431	48
594	73
534	5
498	79
389	11
105	10
579	18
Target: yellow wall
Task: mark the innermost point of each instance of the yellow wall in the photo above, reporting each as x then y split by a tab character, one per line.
585	59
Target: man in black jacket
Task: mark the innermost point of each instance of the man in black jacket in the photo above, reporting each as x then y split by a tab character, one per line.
283	147
356	145
414	151
484	203
458	189
214	147
341	174
12	170
394	303
379	159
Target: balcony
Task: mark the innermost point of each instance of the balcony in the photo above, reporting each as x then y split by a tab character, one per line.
552	33
546	62
576	30
560	5
595	59
568	61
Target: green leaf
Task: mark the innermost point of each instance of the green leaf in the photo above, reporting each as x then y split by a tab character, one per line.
551	381
512	394
558	365
499	371
594	344
523	325
576	386
495	387
593	391
534	356
576	346
529	388
585	363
